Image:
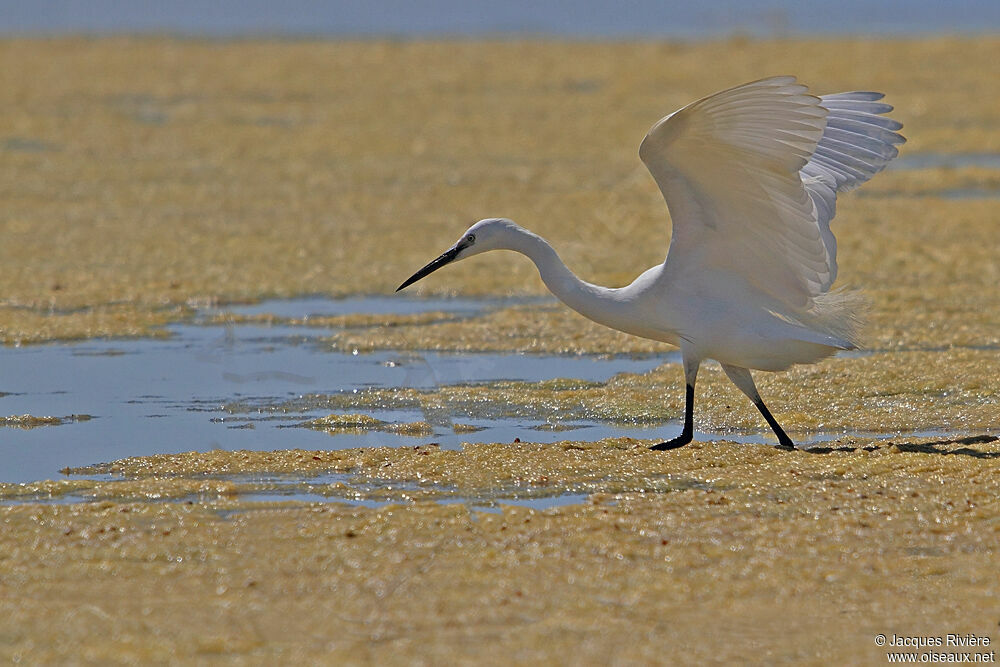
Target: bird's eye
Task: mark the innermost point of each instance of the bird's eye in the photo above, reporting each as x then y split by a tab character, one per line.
471	238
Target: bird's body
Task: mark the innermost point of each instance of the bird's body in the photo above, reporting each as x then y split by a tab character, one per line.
716	318
750	176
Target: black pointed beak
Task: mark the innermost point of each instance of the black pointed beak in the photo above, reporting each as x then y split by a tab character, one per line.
447	257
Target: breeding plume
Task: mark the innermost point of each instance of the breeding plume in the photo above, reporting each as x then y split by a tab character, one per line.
751	177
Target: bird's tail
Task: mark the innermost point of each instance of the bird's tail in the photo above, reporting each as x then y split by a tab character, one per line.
841	313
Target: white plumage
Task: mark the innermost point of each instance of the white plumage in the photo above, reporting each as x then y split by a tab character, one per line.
751	176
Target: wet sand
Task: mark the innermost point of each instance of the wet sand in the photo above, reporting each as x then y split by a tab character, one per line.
143	178
716	553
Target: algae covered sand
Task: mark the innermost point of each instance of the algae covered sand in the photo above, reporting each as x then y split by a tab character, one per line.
906	391
142	176
145	178
717	553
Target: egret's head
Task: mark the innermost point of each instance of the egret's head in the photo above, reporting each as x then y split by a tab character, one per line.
489	234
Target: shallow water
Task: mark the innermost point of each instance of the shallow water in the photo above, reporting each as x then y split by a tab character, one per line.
151	396
165	395
646	18
929	160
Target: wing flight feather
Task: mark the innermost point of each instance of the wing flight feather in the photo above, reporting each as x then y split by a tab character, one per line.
751	175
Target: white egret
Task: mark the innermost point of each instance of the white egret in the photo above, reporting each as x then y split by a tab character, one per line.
750	176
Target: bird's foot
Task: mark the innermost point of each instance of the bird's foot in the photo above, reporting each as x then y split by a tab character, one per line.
785	443
679	441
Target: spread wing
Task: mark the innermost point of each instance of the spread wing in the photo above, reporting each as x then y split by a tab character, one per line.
751	175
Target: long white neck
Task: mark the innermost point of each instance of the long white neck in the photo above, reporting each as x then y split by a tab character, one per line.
601	304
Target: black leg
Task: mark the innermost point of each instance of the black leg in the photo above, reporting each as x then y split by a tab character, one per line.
741	378
687	434
784	442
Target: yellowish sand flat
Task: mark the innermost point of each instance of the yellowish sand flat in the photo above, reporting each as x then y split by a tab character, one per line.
717	552
143	178
143	174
